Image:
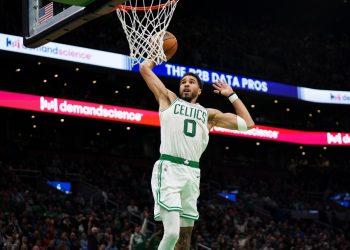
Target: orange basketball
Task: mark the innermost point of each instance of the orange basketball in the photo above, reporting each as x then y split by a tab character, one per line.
169	45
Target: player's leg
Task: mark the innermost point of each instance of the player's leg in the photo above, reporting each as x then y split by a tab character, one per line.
171	224
189	196
166	186
184	242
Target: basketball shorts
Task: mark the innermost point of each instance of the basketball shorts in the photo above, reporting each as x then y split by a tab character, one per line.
175	186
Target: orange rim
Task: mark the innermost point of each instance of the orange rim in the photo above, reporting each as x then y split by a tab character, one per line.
124	7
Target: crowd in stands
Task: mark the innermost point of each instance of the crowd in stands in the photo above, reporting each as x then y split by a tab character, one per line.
232	227
33	217
36	219
119	215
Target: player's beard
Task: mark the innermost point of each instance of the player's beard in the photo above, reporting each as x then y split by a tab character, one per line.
188	98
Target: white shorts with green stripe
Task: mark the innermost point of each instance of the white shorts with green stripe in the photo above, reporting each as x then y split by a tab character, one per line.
175	187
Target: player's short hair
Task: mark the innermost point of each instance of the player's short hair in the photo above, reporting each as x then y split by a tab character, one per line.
200	83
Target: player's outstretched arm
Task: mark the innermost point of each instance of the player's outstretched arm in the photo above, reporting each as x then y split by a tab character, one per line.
240	121
163	96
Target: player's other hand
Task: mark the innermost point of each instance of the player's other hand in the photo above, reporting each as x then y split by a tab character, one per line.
222	88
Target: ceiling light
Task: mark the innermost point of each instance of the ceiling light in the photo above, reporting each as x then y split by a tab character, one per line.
44	81
55	75
257	143
287	109
275	101
62	120
128	128
18	70
94	82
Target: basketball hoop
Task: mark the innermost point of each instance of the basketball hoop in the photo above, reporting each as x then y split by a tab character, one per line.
145	23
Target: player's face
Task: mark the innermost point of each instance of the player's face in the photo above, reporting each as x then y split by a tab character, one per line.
189	88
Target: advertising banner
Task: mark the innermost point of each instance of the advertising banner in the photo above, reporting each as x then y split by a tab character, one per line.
151	118
122	62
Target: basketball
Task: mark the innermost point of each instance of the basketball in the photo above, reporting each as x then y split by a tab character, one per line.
169	45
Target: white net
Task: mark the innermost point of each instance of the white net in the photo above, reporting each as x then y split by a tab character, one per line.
145	23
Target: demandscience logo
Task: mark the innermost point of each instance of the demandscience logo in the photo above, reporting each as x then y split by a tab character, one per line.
339	97
16	43
338	138
87	109
54	50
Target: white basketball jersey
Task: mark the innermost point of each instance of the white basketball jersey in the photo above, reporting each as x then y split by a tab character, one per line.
184	131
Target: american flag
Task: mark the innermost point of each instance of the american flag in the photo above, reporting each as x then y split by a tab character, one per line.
46	12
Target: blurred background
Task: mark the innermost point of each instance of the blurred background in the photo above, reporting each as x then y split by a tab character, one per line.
274	195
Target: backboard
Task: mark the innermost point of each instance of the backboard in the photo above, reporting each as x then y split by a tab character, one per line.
45	20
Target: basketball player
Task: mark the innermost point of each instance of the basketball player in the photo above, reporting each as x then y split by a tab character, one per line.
185	129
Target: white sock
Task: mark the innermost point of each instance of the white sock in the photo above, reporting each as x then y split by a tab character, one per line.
171	224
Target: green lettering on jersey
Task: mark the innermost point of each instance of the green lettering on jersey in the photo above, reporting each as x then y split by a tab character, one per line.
191	112
190	127
182	110
176	108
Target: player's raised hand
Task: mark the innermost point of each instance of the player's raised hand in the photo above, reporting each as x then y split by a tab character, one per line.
222	88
